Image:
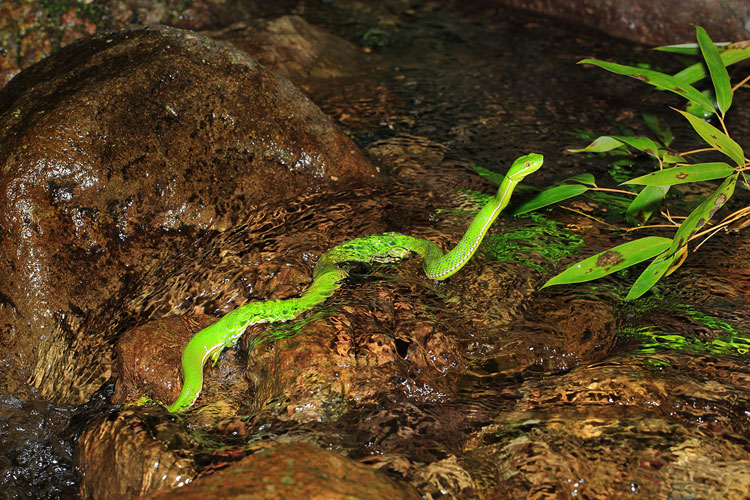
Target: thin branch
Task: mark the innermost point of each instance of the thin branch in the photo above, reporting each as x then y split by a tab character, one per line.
743	82
702	150
621	191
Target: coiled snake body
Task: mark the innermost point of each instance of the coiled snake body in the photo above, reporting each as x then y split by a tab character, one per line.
329	273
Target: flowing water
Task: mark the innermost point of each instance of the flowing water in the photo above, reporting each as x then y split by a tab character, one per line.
449	87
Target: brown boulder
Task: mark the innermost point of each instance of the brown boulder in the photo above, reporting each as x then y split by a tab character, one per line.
295	470
655	22
116	154
125	455
296	49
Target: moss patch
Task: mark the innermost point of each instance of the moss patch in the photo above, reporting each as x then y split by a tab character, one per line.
541	245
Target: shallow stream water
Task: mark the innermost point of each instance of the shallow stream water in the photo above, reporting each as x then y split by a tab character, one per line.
533	405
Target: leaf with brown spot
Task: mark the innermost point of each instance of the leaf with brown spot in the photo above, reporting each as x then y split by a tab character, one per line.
612	260
659	80
686	173
702	214
609	258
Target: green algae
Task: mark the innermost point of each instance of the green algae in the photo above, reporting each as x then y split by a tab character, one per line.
655	339
544	240
733	341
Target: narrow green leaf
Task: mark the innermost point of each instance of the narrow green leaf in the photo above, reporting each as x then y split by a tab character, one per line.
621	203
691	49
719	75
700	112
550	196
716	137
659	127
672	158
683	174
600	145
489	174
640	143
646	203
661	264
697	71
612	260
658	80
587	179
649	277
703	213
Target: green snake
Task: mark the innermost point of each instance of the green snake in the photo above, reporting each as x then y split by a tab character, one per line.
331	270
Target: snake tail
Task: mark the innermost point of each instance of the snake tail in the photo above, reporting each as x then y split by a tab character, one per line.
209	342
332	269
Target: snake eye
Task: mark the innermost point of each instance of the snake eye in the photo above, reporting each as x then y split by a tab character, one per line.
528	163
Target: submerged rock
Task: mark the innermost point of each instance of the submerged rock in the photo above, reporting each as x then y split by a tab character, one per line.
132	453
117	153
634	424
147	358
295	470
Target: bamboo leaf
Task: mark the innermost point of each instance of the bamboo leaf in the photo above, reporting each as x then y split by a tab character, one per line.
649	277
647	201
719	75
703	213
691	49
659	80
612	260
489	174
663	263
587	179
600	145
715	137
550	196
697	71
672	158
659	127
683	174
640	143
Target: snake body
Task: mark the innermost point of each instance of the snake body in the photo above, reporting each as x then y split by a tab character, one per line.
331	270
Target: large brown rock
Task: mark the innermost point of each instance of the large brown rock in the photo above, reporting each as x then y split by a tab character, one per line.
131	453
116	153
294	470
297	50
655	22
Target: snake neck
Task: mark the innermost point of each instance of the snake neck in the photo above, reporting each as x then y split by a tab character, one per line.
453	261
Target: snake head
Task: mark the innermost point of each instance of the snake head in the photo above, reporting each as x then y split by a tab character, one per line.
524	165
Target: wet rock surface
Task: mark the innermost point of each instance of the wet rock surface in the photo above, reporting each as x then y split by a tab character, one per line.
621	427
34	29
290	46
126	454
121	146
147	358
294	470
478	387
659	22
